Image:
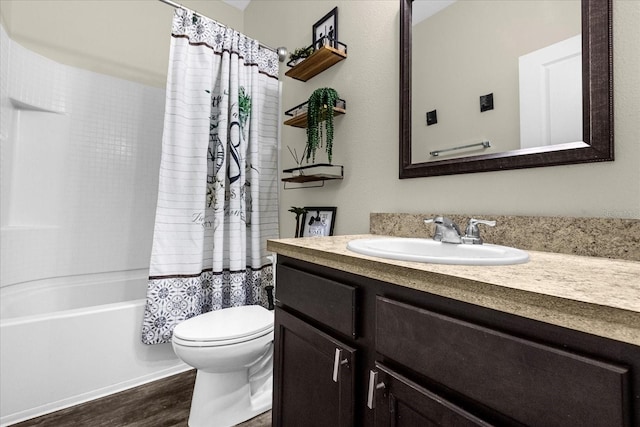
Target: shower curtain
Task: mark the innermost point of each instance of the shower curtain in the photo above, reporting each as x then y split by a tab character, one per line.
217	197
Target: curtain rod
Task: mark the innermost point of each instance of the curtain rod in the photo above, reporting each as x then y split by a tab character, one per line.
281	51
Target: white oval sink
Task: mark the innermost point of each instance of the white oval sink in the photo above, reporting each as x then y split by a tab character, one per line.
431	251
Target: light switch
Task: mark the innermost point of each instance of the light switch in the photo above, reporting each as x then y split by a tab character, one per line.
432	118
486	102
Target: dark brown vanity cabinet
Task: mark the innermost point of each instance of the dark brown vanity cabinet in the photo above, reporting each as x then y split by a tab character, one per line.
317	371
314	370
408	358
530	382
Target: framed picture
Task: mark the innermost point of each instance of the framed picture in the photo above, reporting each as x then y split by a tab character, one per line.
318	221
325	31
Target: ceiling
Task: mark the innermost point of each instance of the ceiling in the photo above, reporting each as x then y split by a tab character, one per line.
422	9
239	4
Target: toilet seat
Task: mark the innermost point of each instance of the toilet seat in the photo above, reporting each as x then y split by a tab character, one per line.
224	327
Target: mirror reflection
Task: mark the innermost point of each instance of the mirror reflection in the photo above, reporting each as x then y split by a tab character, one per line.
494	76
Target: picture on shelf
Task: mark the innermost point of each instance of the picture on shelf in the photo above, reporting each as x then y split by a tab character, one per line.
325	31
318	221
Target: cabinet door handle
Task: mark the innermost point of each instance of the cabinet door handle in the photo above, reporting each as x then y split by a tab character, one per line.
373	386
337	362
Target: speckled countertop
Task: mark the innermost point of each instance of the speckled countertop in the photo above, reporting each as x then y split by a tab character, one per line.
600	296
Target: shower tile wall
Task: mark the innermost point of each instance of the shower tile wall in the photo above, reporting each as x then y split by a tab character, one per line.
80	160
5	111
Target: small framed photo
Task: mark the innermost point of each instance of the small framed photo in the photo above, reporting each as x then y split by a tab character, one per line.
318	221
325	31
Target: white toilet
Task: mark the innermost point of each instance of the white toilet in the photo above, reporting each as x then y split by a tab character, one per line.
232	349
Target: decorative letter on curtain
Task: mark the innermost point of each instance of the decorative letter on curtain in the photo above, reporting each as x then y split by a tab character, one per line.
217	196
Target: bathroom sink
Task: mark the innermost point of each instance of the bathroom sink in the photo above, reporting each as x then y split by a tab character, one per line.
431	251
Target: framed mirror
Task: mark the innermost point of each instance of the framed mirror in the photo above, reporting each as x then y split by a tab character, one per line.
595	18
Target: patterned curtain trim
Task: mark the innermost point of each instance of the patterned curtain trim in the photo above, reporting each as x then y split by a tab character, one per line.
200	30
207	270
174	300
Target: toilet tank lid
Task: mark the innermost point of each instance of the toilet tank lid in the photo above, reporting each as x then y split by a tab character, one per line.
226	324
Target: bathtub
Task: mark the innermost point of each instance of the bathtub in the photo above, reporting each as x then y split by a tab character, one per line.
68	340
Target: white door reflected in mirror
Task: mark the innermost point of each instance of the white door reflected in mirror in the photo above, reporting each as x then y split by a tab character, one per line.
551	94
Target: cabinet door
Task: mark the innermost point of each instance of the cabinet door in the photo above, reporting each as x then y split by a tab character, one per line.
532	383
313	374
399	402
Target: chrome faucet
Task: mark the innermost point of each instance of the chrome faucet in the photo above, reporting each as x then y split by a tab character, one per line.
448	231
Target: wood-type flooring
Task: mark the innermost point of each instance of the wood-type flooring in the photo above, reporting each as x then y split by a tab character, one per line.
162	403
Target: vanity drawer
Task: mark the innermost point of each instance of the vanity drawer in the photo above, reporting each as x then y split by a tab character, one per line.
532	383
327	301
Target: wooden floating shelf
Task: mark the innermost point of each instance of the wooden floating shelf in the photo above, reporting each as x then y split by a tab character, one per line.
316	63
312	178
313	173
300	121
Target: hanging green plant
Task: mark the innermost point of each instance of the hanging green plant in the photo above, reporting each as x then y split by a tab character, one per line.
319	115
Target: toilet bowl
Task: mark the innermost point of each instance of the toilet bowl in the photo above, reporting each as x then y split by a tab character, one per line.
232	349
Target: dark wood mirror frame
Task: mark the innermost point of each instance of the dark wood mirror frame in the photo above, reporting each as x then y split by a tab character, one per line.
597	114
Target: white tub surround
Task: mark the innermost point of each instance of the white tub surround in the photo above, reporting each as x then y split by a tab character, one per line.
80	156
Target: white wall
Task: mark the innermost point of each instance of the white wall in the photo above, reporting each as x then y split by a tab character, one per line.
366	138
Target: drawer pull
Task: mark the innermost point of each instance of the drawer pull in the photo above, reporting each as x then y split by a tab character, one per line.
373	386
337	362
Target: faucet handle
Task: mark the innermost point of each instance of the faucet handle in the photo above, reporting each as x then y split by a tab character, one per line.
474	222
438	220
472	232
437	235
